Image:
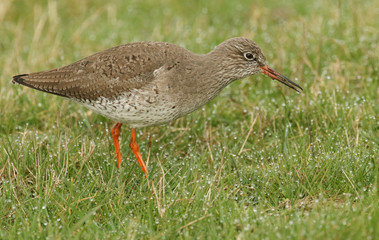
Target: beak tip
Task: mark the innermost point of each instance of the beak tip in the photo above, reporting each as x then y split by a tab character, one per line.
279	77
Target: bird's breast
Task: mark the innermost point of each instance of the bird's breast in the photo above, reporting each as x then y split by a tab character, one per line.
138	107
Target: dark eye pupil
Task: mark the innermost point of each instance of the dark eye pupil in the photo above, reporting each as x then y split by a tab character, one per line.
249	56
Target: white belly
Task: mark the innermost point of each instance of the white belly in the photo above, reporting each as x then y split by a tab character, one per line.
137	109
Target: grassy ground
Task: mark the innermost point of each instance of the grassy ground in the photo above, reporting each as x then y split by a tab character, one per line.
258	162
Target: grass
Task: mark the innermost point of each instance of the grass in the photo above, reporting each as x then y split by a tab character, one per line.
258	162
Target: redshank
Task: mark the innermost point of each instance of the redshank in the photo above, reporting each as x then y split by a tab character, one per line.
151	83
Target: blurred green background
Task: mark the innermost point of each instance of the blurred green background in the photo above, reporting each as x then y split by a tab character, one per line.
257	162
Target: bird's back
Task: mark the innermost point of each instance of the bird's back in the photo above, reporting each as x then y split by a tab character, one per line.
105	74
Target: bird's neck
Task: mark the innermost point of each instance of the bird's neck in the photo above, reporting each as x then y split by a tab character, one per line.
219	70
212	75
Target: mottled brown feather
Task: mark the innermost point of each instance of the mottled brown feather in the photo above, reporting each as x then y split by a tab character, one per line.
107	73
150	83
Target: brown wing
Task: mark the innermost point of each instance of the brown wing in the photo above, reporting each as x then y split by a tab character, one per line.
107	73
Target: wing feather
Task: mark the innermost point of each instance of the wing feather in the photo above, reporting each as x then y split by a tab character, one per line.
104	74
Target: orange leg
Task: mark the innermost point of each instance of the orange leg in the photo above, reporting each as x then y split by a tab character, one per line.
135	148
115	134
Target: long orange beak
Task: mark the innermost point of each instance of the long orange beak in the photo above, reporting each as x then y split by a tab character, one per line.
277	76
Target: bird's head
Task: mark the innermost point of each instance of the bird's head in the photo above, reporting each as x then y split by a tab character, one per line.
242	57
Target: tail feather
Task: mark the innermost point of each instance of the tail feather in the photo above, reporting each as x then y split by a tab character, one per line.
22	79
18	79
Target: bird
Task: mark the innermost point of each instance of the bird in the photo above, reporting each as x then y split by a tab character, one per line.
151	83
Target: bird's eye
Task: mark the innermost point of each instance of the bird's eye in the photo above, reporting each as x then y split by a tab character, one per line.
249	56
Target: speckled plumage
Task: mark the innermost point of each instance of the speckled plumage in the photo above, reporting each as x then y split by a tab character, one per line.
147	83
150	83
